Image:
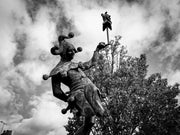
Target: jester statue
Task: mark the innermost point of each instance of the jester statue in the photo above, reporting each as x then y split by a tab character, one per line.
83	94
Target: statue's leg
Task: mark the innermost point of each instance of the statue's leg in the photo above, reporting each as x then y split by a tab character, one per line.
88	123
86	110
85	129
92	96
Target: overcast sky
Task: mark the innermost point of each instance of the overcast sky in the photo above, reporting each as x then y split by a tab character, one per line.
28	29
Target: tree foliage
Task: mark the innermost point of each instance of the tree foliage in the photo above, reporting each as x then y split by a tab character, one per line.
139	104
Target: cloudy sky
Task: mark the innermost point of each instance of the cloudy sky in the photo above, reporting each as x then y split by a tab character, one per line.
28	29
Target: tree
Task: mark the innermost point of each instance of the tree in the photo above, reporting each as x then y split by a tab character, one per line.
138	104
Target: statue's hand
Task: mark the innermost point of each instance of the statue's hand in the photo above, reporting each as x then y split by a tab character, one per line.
100	46
71	99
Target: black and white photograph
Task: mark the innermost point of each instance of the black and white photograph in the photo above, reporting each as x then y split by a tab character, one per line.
89	67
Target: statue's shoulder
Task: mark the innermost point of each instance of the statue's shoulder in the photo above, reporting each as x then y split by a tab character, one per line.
63	68
73	65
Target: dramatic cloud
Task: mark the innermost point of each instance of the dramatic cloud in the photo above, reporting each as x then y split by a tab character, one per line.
5	97
28	29
46	118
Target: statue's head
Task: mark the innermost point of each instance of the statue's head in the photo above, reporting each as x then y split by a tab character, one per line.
67	50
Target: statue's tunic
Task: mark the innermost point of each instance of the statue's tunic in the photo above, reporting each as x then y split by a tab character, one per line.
85	93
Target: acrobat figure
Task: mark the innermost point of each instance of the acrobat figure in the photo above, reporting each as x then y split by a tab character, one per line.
83	94
106	21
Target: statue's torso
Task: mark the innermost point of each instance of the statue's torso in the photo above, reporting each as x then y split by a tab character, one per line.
71	75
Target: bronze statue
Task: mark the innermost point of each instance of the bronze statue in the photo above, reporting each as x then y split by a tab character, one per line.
83	95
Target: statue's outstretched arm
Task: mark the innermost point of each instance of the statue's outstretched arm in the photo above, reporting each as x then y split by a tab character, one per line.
93	61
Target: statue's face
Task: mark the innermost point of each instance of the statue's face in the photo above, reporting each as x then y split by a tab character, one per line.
70	53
